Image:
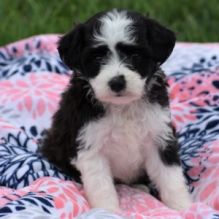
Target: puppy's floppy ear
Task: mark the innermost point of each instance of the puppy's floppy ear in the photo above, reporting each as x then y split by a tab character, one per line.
161	40
70	47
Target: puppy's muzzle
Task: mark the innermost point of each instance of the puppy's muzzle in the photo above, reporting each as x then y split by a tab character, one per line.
117	83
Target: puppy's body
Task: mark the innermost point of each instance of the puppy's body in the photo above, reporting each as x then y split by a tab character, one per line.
124	135
114	120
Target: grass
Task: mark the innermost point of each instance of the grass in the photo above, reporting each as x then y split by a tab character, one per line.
192	20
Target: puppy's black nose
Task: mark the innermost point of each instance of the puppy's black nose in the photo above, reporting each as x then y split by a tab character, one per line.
117	83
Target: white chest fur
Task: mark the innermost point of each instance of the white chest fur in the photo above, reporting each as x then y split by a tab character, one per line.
123	136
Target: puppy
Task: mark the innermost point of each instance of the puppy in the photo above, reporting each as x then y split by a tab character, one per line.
114	122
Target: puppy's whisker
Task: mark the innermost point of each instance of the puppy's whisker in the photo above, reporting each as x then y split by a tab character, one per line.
122	61
90	94
81	77
87	86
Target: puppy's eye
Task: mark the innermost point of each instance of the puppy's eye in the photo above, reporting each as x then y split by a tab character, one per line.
135	56
101	57
98	58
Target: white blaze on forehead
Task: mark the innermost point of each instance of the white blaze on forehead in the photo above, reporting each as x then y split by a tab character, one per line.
116	27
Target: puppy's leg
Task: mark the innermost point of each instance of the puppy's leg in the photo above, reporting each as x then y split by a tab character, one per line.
141	187
97	181
163	168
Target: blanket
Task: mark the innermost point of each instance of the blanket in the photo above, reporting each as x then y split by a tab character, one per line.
32	77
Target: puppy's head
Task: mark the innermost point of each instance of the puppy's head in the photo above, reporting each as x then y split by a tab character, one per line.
116	52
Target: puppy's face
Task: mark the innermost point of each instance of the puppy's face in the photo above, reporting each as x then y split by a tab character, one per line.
117	52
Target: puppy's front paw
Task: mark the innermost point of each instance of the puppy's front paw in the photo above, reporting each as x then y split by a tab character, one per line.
141	187
107	204
178	201
180	205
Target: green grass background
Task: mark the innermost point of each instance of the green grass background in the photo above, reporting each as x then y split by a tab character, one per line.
192	20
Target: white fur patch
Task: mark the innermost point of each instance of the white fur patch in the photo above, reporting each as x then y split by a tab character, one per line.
134	83
125	131
169	180
115	27
117	146
97	181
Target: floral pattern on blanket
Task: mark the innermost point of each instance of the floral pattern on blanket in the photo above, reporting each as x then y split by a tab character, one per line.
32	77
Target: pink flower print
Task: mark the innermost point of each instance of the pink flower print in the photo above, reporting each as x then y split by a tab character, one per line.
182	114
34	93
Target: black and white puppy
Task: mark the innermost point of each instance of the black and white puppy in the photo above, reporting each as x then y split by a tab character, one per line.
114	119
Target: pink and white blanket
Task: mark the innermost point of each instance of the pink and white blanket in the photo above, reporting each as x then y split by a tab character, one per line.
31	79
